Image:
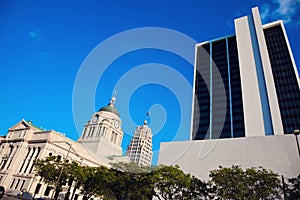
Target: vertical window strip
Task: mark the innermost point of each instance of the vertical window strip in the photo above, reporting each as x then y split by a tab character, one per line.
7	160
22	185
104	131
17	184
229	85
92	131
115	139
84	132
99	131
35	158
112	136
12	183
210	90
29	160
25	159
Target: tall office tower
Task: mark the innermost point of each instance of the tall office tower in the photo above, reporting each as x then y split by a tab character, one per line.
103	133
140	148
246	84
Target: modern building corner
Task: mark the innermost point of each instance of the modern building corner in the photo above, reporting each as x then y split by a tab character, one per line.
251	119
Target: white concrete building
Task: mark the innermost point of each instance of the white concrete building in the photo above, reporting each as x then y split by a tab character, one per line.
198	157
246	103
100	145
25	143
140	149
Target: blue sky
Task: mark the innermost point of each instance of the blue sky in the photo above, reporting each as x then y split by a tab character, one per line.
43	44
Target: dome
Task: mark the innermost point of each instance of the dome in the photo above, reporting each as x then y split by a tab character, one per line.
109	109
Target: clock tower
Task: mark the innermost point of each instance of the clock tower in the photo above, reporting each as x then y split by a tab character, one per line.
103	134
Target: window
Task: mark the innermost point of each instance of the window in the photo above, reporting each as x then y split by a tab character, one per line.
47	191
26	157
84	133
112	136
99	131
58	158
115	138
92	133
22	185
17	184
35	158
12	183
29	160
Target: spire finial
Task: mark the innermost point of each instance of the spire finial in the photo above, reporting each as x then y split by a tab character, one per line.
113	100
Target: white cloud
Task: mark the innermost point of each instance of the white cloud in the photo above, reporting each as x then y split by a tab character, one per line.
34	35
265	11
285	10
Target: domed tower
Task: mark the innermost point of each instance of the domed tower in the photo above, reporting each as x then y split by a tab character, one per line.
103	133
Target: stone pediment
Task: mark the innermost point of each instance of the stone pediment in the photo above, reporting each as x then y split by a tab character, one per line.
20	126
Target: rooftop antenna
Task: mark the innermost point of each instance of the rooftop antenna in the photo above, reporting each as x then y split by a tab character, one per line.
147	118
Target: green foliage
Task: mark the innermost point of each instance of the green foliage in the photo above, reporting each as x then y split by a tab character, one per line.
129	181
130	167
171	182
199	189
252	183
293	188
262	184
94	181
50	169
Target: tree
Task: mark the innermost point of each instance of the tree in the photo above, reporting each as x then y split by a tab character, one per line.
262	184
171	183
130	181
130	167
51	173
229	182
199	189
76	174
93	181
252	183
164	182
293	188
